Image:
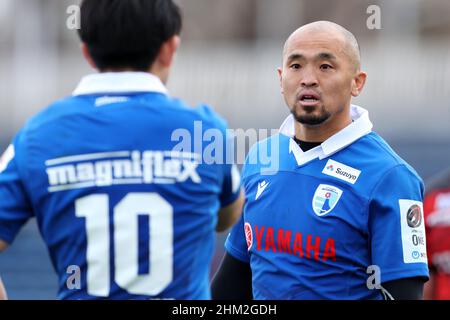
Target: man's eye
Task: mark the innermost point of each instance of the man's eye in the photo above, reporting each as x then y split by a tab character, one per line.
325	66
295	66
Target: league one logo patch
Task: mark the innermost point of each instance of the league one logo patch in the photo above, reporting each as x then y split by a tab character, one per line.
325	199
413	231
248	235
414	216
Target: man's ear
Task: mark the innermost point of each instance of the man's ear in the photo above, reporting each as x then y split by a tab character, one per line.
87	55
280	77
167	51
358	83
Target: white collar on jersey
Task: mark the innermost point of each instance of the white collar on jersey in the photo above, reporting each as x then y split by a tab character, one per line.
360	126
119	82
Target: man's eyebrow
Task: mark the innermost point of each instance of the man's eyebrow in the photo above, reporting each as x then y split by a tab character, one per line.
295	56
319	56
325	56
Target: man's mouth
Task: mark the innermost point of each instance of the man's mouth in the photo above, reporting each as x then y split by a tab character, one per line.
309	99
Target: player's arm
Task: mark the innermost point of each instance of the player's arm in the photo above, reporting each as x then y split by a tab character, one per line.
230	214
231	198
3	296
3	245
233	280
15	206
428	293
398	213
404	289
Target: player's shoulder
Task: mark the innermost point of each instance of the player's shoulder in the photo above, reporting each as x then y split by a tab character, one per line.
59	108
180	110
381	153
175	108
206	114
384	164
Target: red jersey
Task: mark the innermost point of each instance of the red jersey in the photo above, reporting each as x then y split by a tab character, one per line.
437	219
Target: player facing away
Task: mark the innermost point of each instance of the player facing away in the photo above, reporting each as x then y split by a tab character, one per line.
341	217
113	199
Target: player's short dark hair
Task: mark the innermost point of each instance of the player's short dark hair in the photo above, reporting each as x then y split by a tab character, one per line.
127	33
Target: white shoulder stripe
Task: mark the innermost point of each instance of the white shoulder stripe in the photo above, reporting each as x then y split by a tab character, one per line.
7	156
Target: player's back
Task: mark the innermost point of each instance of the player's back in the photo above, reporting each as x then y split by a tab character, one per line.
115	202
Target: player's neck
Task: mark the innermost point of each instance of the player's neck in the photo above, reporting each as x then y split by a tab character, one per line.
323	131
161	73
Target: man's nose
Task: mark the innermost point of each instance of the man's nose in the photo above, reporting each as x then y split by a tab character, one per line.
309	79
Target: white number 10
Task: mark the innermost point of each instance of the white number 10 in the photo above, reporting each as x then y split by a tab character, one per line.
95	208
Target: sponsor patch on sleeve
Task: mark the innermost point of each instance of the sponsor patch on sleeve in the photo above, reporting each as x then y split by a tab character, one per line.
413	231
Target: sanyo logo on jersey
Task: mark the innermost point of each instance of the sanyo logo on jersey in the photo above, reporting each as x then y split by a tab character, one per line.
341	171
121	167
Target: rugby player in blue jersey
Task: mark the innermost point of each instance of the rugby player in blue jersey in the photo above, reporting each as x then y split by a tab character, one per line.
341	216
124	212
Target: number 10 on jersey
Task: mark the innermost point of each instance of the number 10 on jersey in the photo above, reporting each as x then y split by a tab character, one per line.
95	208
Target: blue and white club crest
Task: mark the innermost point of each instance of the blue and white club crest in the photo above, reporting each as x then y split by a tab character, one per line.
325	199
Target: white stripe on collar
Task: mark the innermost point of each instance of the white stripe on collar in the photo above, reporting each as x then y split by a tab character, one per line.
119	82
360	126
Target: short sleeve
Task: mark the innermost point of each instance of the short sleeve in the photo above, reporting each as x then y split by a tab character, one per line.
231	185
15	208
397	226
236	244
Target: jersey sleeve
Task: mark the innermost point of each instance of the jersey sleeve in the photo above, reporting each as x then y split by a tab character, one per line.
231	185
397	226
236	243
15	208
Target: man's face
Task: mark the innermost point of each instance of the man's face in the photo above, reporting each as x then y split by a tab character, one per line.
317	77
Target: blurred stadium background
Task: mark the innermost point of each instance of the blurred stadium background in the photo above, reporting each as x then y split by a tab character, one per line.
228	59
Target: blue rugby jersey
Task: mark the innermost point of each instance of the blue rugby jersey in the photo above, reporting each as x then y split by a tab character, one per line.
115	199
318	224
